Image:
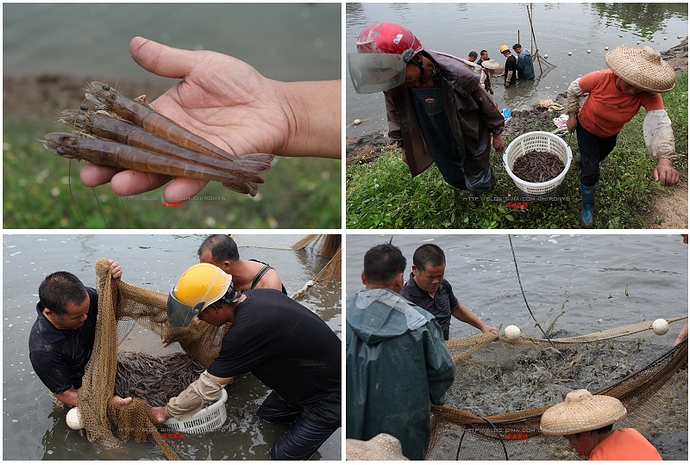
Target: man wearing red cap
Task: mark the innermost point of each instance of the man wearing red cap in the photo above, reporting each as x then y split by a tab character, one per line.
438	109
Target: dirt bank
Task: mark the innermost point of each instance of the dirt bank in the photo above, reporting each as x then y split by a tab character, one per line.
668	210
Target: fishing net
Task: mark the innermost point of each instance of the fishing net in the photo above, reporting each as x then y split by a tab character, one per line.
493	409
131	323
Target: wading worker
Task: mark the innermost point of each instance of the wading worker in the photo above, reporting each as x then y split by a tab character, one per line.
438	110
587	420
635	78
397	362
285	345
510	71
221	250
428	289
61	339
524	65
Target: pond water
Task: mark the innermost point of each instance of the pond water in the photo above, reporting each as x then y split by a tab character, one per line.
34	430
582	29
289	42
584	276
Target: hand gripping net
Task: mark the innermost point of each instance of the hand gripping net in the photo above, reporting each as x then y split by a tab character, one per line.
135	319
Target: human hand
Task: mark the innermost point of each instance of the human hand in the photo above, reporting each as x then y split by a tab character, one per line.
160	413
119	401
498	143
228	102
571	123
115	270
491	329
665	174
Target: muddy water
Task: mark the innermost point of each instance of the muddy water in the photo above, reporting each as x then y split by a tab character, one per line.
34	430
575	285
574	36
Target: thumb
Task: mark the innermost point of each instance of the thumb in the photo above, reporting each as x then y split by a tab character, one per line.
160	59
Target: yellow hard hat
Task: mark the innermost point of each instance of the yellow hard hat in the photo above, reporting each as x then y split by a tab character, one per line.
504	48
199	286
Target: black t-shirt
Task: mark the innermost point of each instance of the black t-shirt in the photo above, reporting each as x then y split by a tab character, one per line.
440	305
288	348
59	356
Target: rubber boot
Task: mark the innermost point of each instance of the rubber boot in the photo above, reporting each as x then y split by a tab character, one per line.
587	216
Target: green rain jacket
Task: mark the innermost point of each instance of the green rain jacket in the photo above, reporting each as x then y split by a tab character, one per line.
397	363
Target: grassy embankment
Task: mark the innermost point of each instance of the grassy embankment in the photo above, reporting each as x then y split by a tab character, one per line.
298	193
382	194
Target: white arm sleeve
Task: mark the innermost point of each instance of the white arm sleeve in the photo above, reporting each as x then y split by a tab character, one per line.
192	399
574	94
658	135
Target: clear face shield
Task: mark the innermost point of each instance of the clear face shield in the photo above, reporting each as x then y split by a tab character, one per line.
179	314
376	72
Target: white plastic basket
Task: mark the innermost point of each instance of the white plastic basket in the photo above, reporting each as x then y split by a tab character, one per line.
543	142
207	419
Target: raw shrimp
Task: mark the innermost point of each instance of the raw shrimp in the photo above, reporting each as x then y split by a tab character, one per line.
110	99
108	127
109	153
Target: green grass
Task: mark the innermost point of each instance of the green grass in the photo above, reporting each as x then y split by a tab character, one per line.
383	194
298	193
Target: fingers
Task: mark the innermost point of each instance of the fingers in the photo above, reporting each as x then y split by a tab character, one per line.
160	59
183	189
93	175
119	401
130	182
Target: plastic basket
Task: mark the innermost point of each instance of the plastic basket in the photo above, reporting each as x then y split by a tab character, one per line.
207	419
543	142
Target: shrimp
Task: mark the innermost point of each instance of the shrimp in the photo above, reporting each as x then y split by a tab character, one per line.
108	127
110	99
109	153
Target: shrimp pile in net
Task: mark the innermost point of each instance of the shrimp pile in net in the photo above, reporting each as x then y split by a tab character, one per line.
133	319
494	407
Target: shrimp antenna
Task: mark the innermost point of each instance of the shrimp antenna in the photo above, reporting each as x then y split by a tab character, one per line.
128	60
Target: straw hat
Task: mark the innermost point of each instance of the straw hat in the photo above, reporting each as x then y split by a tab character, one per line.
491	64
581	412
642	68
381	447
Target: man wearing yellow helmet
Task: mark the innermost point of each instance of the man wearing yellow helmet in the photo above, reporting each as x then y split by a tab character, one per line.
510	71
285	345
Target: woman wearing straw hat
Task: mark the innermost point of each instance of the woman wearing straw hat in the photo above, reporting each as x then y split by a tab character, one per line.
635	78
587	420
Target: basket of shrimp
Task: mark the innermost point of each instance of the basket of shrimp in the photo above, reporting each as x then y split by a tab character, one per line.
209	418
537	162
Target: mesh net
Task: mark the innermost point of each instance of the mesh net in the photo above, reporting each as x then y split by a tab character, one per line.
131	323
494	407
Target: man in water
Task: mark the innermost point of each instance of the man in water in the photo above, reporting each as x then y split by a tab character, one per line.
524	64
428	289
221	250
285	345
62	338
510	71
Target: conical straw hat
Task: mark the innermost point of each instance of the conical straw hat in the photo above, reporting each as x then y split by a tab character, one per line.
642	68
581	412
491	64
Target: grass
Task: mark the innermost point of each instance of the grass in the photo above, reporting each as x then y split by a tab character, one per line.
383	194
298	193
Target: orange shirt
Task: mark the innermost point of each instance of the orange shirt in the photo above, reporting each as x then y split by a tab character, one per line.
625	444
607	109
